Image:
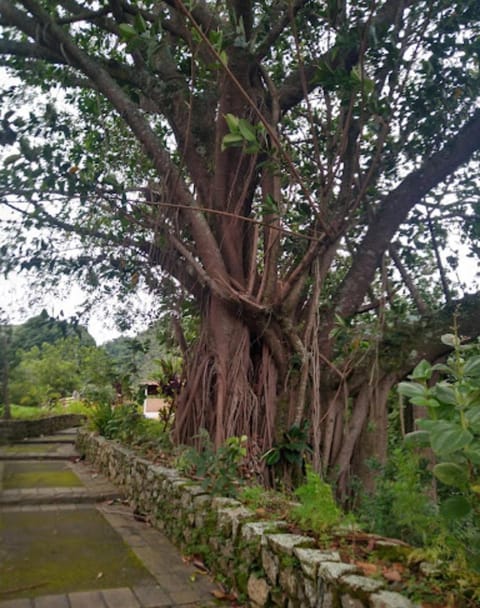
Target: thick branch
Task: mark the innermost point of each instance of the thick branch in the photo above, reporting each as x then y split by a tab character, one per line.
406	344
52	35
292	91
395	208
421	340
29	51
278	18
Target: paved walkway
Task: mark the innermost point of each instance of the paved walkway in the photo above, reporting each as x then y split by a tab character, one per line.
68	540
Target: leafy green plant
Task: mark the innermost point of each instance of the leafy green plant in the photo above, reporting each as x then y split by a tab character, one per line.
244	134
125	424
217	469
400	506
452	430
267	503
318	510
100	416
288	455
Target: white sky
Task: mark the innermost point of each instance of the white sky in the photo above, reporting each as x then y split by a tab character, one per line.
20	303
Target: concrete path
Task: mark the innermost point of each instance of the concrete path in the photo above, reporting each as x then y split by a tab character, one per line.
68	540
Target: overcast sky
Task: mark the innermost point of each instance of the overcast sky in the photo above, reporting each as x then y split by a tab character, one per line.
20	303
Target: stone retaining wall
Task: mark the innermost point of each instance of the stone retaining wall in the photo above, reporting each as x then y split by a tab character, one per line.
265	564
12	430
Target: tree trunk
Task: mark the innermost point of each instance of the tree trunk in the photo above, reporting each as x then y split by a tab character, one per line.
238	386
234	383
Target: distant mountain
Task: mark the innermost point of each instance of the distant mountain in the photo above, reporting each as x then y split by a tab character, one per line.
43	328
138	357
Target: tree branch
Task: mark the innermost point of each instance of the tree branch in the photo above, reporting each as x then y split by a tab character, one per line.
279	18
292	91
407	279
52	35
394	209
421	340
29	51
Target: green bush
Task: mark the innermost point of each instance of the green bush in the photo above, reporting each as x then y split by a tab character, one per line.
400	506
125	424
451	429
318	510
217	469
100	416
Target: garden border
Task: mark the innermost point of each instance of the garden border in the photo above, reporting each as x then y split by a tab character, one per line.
13	430
265	565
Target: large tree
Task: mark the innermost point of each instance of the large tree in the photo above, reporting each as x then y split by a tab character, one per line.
293	167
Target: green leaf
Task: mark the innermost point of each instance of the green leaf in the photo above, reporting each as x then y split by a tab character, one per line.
247	130
271	457
449	437
450	340
127	31
451	474
232	140
139	24
472	416
223	57
428	425
425	401
472	367
444	392
269	205
455	507
232	122
472	452
423	371
412	389
417	439
441	367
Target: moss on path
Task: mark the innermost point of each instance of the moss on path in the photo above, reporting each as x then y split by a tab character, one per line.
27	475
58	551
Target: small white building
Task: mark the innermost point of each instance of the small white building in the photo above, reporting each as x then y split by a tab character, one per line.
153	403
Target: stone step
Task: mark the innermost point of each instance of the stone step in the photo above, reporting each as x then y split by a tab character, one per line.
48	439
55	496
39	451
36	456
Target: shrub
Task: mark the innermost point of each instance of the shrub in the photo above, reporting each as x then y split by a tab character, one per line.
452	430
100	415
217	469
318	510
400	506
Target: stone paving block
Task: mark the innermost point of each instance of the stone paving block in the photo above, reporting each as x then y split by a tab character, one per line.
152	596
134	539
170	582
25	603
186	596
51	601
120	598
86	599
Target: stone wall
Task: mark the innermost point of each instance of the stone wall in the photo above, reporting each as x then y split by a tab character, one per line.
12	430
266	565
